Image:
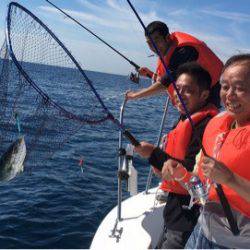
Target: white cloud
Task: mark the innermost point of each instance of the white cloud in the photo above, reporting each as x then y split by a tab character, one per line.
125	10
88	17
113	4
96	57
91	6
111	15
234	16
121	28
128	31
177	13
214	35
77	14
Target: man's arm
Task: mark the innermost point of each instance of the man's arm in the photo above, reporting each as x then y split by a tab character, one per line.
180	56
155	155
154	89
157	158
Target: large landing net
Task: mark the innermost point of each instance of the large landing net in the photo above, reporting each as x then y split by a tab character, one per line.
43	94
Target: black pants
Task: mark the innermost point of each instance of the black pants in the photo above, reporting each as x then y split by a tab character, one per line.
173	239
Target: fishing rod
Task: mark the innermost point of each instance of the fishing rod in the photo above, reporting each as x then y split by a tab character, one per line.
136	66
223	200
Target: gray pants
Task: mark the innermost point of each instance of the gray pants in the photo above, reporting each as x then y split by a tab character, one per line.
173	239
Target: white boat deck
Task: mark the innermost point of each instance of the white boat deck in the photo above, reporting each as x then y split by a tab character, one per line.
140	228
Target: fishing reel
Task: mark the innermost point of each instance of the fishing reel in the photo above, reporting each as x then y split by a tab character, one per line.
134	77
197	190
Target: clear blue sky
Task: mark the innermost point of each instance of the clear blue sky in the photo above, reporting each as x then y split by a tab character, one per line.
224	25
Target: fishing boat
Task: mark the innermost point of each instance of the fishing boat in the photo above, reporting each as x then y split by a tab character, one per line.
139	227
137	222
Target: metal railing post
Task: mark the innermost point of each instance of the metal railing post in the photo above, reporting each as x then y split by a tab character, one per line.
120	158
163	120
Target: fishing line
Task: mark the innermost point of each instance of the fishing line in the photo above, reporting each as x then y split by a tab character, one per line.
18	123
136	66
139	40
163	62
218	187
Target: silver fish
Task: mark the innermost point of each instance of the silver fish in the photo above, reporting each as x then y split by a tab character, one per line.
11	162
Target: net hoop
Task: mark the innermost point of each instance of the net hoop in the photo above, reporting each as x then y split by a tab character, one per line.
45	97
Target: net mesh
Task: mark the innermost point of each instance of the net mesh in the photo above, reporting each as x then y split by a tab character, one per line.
55	101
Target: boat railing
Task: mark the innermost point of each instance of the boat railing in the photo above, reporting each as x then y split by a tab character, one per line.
163	121
123	175
121	152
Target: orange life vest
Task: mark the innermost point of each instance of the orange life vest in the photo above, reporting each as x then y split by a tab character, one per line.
178	140
206	58
232	147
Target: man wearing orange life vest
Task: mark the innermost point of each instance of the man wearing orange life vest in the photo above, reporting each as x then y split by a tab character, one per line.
176	48
227	140
183	142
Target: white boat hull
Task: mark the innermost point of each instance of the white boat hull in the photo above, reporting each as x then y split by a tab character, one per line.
140	228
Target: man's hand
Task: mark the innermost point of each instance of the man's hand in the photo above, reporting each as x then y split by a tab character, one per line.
216	171
157	172
130	95
168	169
145	149
144	71
173	170
153	89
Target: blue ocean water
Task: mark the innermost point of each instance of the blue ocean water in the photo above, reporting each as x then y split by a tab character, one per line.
56	205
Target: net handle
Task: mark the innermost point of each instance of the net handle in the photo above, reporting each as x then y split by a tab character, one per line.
44	95
131	138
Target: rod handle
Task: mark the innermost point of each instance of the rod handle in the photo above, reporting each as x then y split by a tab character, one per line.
131	138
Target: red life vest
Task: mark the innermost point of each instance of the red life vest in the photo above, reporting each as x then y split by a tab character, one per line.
232	147
178	140
206	58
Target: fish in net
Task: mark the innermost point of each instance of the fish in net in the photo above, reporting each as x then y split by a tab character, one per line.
34	94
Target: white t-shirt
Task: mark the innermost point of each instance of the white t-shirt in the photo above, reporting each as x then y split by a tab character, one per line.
216	228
